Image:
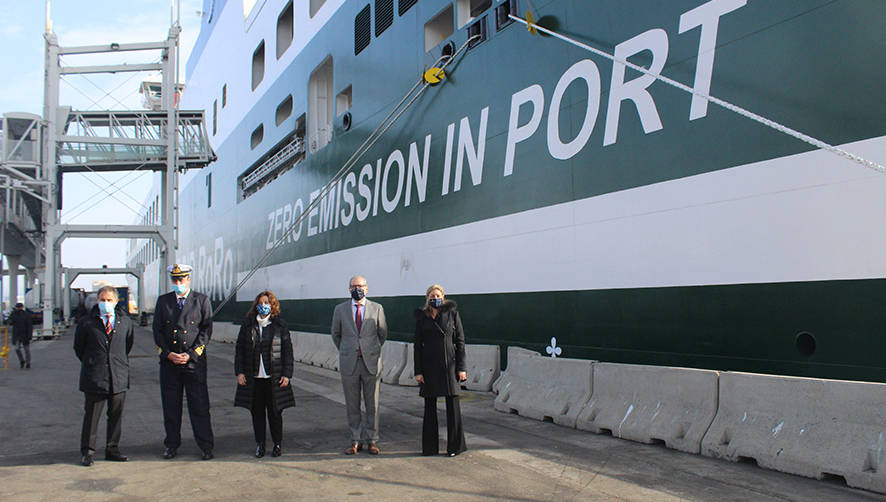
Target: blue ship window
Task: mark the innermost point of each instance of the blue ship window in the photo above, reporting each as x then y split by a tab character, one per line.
405	5
502	12
284	110
478	28
258	65
209	190
284	29
384	15
224	95
362	30
257	136
315	6
214	117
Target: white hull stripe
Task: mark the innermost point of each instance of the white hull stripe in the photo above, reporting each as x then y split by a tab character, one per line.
806	217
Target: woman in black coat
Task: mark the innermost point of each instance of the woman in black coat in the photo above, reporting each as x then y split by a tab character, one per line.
439	367
102	343
263	365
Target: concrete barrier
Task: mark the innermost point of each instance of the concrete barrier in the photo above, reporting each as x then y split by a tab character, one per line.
393	360
484	366
545	388
225	332
811	427
316	349
512	350
407	376
652	403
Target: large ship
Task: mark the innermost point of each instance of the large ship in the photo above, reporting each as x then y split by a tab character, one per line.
564	200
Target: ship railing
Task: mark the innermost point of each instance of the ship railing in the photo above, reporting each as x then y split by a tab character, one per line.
289	151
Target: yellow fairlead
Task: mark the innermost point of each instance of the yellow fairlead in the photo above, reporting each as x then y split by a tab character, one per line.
434	75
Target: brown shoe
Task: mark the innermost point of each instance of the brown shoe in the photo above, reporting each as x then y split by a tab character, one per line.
373	449
351	450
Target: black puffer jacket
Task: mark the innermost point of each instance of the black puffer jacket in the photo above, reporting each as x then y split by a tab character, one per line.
104	360
439	351
275	346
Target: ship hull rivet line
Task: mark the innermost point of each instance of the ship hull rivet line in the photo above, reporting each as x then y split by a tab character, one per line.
531	25
434	73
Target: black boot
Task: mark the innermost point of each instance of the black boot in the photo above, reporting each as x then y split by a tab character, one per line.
259	450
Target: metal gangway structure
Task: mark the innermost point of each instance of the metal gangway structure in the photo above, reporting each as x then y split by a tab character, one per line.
162	139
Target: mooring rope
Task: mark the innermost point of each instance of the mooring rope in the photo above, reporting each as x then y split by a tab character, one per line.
368	143
717	101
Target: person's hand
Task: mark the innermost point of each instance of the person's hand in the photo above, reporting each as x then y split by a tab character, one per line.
420	378
177	358
284	381
241	380
462	376
185	357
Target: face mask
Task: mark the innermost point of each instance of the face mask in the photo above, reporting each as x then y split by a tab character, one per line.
263	309
435	302
106	308
180	288
357	294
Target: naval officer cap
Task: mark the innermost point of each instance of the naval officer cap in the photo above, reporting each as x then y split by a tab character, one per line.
178	271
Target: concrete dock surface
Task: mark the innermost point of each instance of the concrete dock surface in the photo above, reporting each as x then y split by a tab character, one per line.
509	457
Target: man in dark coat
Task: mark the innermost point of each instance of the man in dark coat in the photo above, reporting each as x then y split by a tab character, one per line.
102	343
22	332
182	328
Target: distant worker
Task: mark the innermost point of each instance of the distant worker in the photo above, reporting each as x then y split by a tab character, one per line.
22	332
263	364
359	329
182	328
439	368
102	343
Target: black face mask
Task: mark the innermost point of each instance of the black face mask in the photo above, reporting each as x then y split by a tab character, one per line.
435	302
357	294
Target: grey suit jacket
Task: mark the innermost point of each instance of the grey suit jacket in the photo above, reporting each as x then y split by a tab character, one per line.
372	336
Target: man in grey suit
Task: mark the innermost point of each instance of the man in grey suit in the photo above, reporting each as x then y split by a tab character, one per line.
359	329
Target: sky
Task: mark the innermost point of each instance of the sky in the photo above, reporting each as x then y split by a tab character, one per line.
86	198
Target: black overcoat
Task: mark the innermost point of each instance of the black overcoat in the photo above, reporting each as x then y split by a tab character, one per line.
22	326
104	361
439	351
275	346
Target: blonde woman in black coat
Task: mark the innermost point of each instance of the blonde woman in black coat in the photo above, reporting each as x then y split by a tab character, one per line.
263	365
439	367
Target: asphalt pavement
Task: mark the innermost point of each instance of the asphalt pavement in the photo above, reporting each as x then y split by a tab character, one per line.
509	457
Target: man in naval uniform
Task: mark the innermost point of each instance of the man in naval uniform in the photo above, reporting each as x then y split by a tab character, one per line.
182	328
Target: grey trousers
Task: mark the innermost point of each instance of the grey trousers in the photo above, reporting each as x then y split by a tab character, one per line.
23	351
363	427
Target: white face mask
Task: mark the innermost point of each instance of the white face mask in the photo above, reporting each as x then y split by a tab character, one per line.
106	307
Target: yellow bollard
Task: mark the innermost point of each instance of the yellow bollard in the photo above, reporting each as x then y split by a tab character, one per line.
4	351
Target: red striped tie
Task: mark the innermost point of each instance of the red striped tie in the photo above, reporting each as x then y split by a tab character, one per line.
108	326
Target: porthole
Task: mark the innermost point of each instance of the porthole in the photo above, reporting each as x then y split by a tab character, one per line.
346	121
448	50
805	343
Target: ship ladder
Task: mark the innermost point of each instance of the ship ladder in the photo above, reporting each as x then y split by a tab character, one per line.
532	26
429	77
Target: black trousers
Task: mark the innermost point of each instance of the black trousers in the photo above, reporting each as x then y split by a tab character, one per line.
93	411
455	434
174	381
262	406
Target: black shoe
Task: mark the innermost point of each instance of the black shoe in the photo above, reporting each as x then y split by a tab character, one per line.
259	450
207	455
170	453
277	451
86	460
28	366
115	457
21	364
